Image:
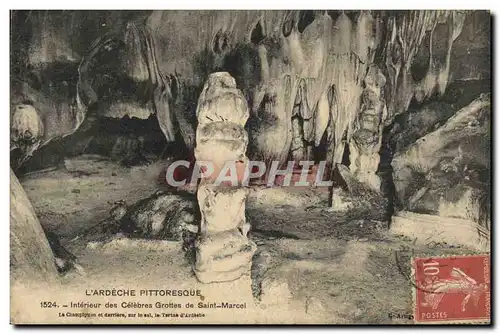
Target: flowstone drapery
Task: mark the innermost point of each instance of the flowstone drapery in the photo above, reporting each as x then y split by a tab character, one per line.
223	251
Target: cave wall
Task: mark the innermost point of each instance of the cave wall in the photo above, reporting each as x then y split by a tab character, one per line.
440	149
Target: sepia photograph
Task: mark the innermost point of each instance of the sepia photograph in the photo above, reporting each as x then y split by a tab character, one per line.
244	167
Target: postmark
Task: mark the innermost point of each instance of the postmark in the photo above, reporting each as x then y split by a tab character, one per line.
452	289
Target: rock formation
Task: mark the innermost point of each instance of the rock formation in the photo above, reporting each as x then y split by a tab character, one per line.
26	129
310	78
31	258
37	118
446	142
365	144
446	173
223	251
160	216
304	64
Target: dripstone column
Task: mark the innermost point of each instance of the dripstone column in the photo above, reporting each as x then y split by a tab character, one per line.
223	251
365	144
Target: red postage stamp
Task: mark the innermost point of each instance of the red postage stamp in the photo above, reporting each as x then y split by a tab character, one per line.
453	289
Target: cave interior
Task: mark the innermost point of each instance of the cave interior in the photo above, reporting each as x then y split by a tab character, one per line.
396	103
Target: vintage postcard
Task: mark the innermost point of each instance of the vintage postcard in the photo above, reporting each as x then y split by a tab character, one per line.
250	167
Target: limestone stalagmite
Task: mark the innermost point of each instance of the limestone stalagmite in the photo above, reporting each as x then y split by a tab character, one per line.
365	144
223	251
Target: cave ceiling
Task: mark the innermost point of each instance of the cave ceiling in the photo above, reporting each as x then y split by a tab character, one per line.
310	65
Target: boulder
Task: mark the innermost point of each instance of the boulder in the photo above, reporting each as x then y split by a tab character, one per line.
447	172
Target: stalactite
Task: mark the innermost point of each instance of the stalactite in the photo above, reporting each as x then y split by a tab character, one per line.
161	94
437	76
307	115
300	58
347	76
142	41
425	88
407	32
411	31
85	94
322	118
135	63
365	38
51	39
294	65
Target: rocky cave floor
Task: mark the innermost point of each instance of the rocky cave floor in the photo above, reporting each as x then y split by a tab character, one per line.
311	266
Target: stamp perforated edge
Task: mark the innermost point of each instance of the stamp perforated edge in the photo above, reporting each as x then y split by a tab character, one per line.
485	321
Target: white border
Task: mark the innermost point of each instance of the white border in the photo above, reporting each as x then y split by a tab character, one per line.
254	4
184	4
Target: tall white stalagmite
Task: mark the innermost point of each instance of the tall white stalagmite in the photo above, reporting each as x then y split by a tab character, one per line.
223	251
